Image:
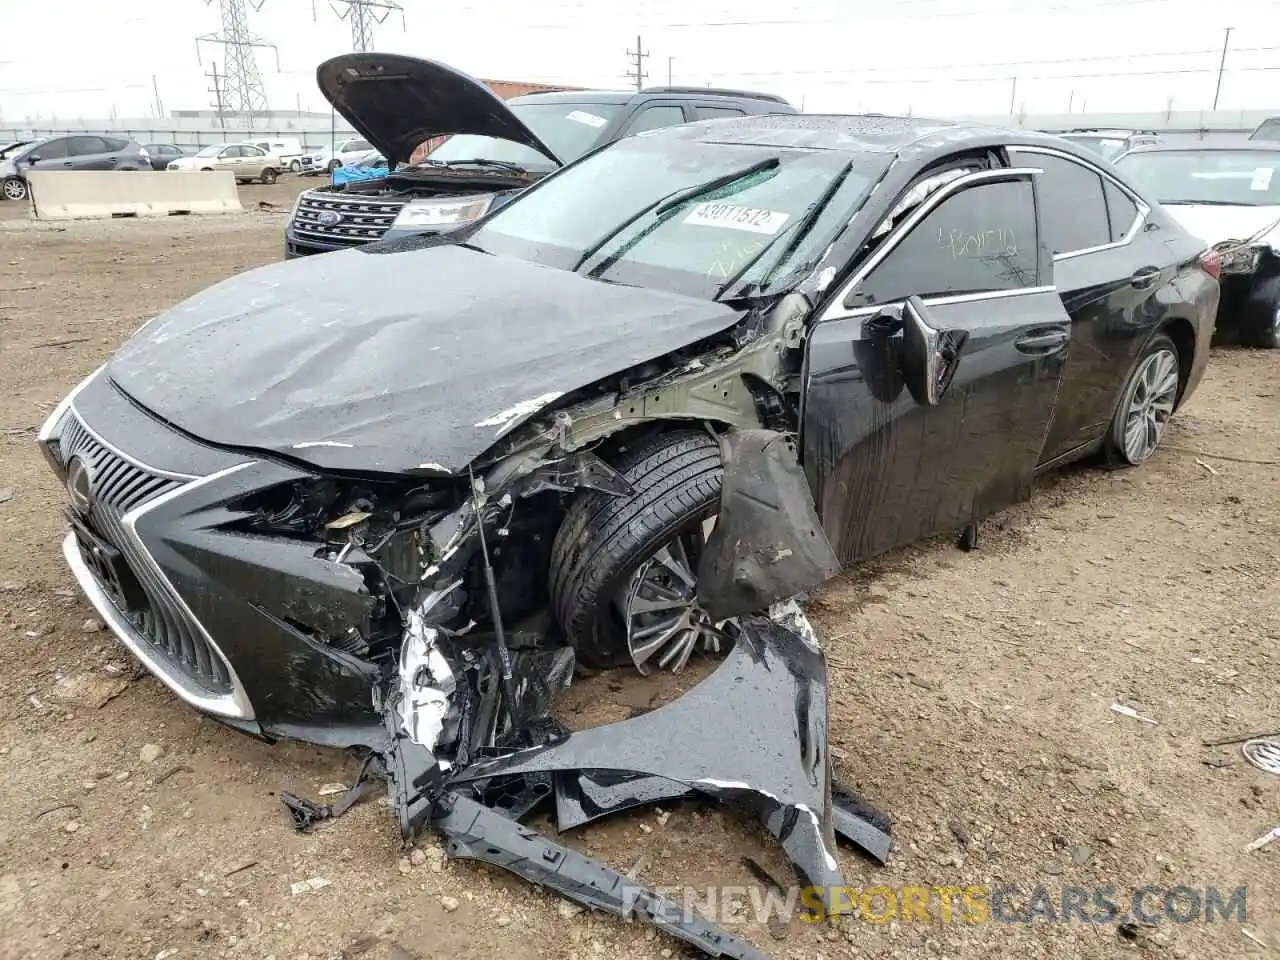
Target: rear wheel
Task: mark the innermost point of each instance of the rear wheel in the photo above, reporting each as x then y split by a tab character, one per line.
268	176
1146	403
14	188
295	167
624	569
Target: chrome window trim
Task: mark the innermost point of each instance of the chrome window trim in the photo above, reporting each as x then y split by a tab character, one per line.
1143	209
875	308
838	311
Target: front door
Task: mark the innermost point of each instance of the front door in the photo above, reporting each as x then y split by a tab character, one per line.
886	470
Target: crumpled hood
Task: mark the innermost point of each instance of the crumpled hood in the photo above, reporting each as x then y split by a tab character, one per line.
394	362
1213	224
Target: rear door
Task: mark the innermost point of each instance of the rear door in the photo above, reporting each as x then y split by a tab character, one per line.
252	162
885	470
1108	268
87	153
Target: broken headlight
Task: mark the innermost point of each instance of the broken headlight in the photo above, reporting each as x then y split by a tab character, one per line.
442	213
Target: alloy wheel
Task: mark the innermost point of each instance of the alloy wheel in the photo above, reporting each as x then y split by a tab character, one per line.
665	623
15	189
1149	405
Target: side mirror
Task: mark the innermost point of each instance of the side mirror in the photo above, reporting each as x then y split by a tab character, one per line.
930	356
923	358
33	158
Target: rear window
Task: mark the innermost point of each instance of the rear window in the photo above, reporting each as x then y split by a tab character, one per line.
1247	178
1267	130
568	129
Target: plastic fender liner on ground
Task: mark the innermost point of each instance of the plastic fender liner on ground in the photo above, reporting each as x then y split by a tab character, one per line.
100	194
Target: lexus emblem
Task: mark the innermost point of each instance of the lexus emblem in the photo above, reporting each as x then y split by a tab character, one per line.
330	218
80	484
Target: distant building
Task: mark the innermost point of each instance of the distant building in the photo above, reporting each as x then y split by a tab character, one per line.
506	89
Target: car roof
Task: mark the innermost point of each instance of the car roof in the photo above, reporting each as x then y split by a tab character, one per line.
1203	146
920	137
622	97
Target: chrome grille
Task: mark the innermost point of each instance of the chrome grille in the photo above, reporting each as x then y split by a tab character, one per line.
119	487
360	220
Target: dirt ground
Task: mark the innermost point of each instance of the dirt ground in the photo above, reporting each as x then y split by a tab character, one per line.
971	699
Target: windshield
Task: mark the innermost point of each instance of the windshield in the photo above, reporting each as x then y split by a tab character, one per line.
696	218
1109	147
1247	178
1267	130
13	147
211	151
568	129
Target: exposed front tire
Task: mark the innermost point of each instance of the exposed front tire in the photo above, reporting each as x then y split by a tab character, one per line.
624	569
1146	403
269	176
295	167
14	188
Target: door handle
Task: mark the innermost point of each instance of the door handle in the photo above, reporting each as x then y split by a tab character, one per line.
1145	277
1042	342
67	163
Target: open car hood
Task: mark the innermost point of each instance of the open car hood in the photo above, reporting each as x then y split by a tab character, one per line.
398	102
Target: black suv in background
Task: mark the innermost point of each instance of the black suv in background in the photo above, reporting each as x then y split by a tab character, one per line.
494	149
77	152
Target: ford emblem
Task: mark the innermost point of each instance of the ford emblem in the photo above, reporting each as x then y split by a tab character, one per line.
330	218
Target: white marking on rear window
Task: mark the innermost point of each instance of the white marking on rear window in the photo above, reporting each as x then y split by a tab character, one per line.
730	216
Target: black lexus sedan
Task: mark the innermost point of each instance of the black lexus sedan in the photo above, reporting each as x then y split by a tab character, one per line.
678	382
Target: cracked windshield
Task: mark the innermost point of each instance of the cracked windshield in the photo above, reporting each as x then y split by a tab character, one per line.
695	217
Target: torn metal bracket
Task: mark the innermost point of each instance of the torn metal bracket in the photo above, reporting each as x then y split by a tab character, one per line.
472	831
305	813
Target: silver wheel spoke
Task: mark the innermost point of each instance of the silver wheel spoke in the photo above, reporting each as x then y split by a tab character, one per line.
1150	405
665	624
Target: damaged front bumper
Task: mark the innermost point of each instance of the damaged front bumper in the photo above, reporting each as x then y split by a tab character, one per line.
778	771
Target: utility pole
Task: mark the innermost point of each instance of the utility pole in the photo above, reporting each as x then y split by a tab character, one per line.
639	55
1222	65
1013	93
219	103
670	60
364	15
243	90
155	88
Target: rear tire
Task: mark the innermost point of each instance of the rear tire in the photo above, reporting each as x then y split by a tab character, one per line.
295	167
1146	404
605	540
14	188
268	176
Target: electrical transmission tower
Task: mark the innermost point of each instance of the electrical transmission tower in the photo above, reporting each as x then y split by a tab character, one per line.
242	90
364	15
638	56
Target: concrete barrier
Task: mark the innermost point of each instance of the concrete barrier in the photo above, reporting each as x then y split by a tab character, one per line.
96	194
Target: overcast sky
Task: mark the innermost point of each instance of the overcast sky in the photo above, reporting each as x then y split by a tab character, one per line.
86	58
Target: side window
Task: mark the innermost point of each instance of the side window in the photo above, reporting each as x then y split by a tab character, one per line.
229	153
1073	213
358	145
114	143
1120	209
980	240
651	118
84	146
53	150
717	113
251	152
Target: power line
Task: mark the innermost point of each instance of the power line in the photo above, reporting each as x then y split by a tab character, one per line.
243	89
639	55
364	15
